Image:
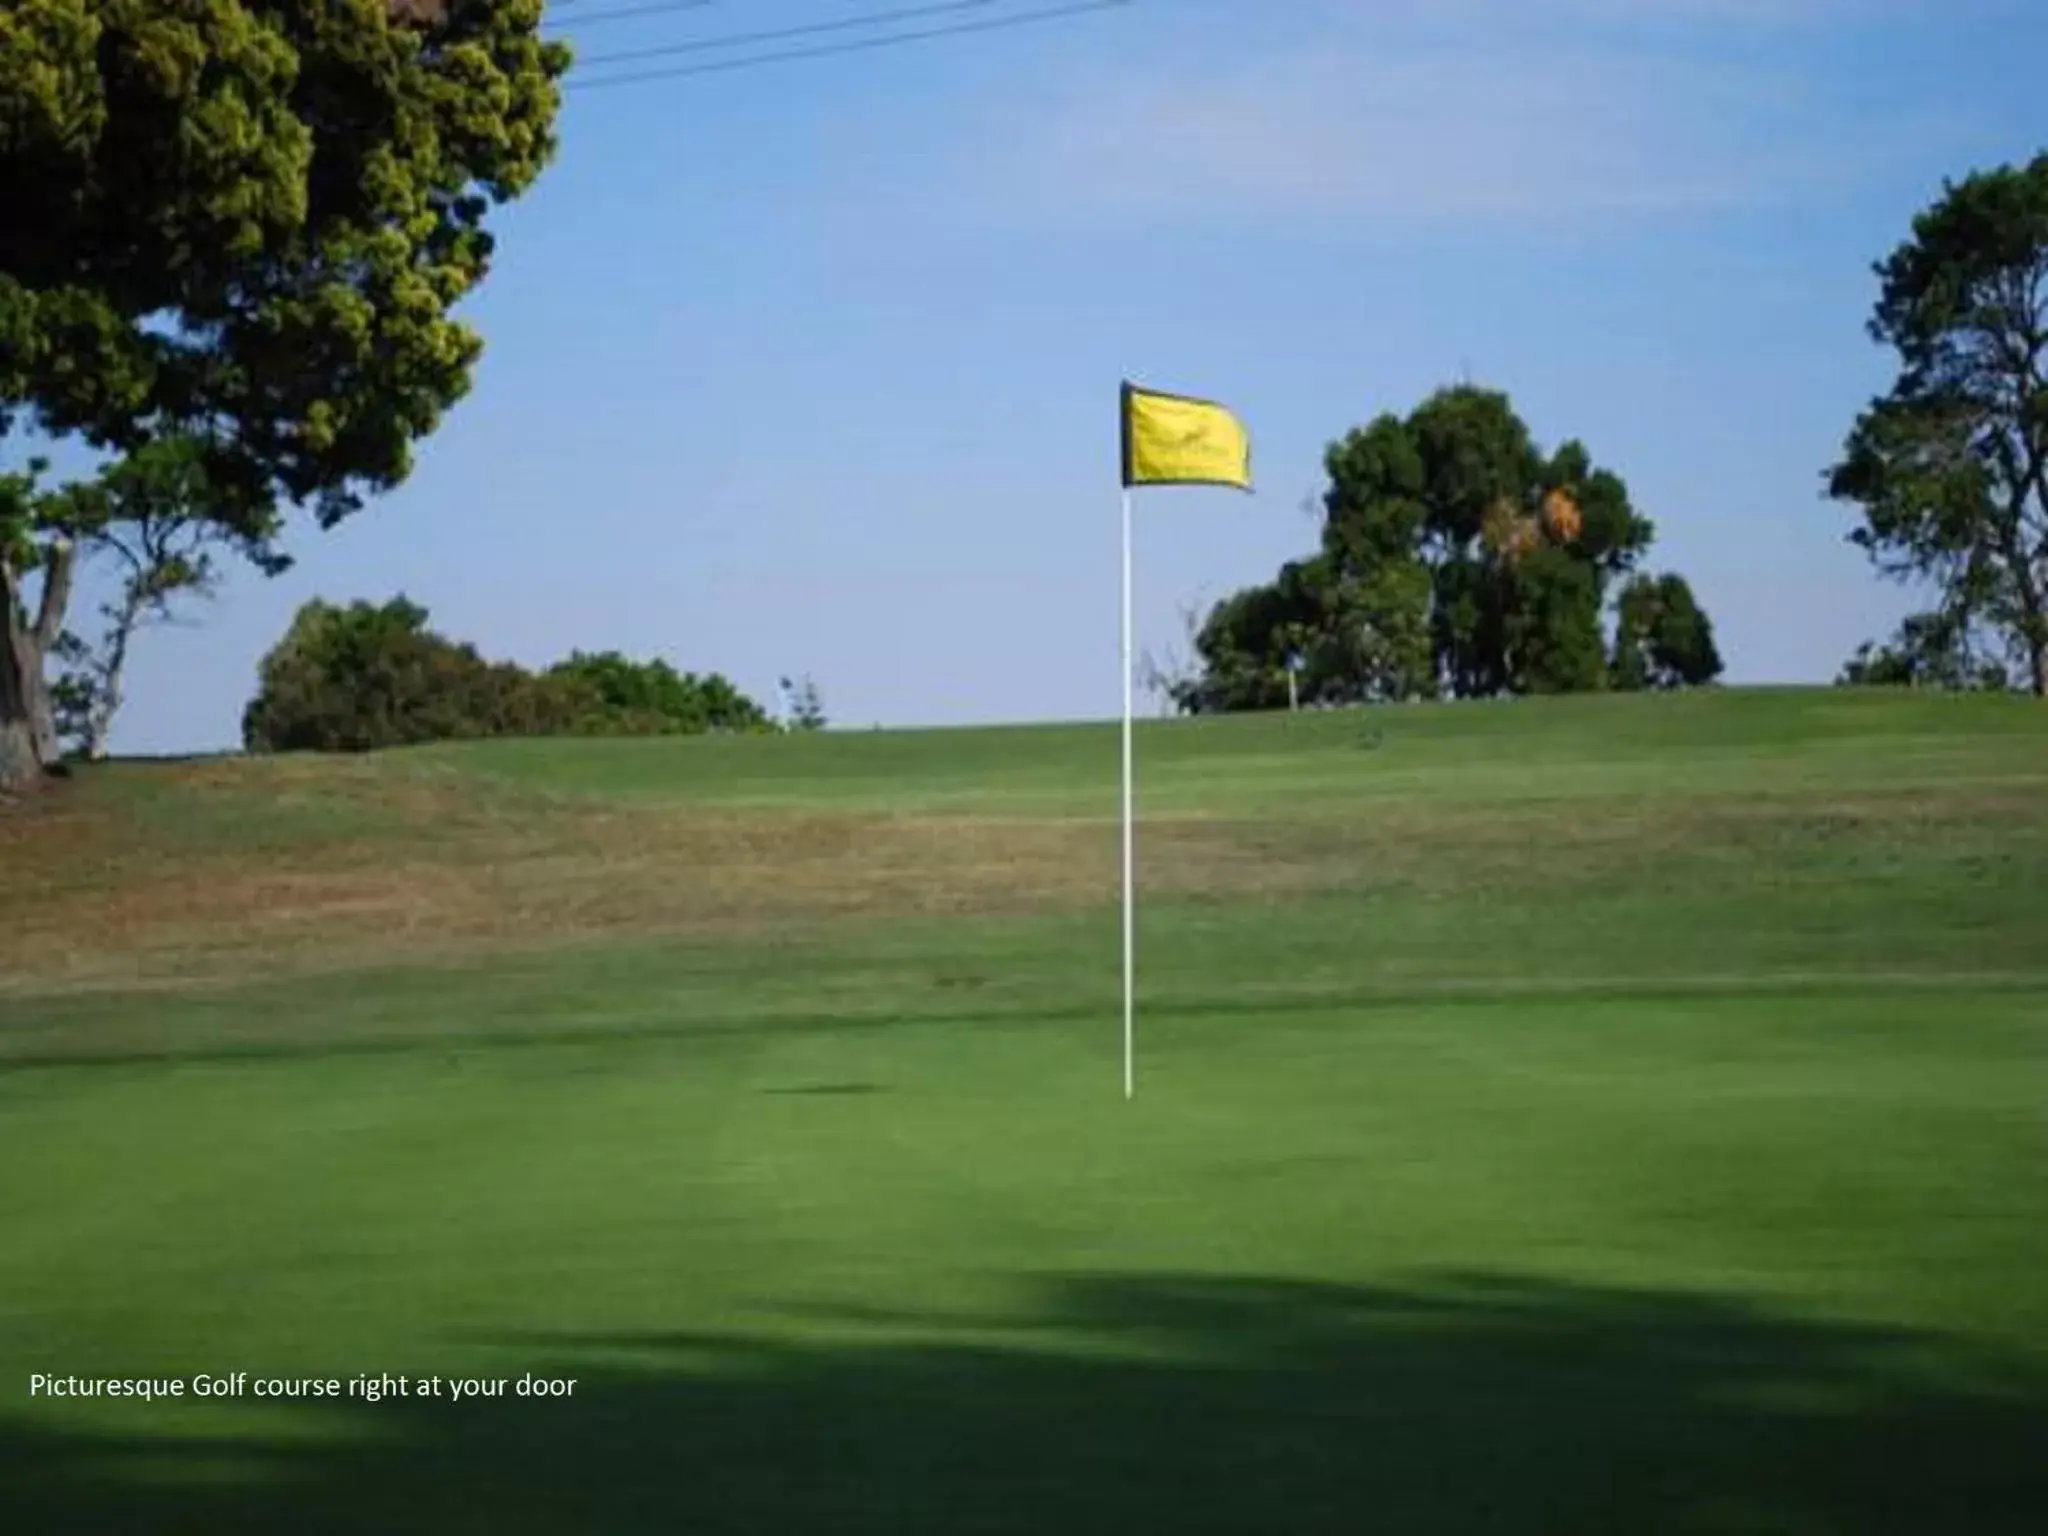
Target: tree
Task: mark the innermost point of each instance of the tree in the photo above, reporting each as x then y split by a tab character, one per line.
1245	644
1168	680
359	677
1375	608
149	517
245	223
28	724
1950	467
1930	650
1457	558
1551	624
363	676
637	698
1662	637
806	706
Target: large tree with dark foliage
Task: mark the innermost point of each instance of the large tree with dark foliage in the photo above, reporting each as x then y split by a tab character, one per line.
1662	637
350	678
243	223
1457	559
1950	467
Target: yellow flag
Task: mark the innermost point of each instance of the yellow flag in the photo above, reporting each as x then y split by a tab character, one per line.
1175	440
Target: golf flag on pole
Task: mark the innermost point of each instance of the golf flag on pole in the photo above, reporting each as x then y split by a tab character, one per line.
1178	440
1167	440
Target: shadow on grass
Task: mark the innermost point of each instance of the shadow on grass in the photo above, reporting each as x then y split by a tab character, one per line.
72	1035
826	1091
1127	1404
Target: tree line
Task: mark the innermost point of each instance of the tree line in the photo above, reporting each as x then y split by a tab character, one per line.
356	677
1457	560
233	234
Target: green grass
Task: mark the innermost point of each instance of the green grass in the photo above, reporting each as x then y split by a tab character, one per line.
1733	743
1583	1115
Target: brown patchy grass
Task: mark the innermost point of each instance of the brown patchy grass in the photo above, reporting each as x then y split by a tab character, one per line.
216	871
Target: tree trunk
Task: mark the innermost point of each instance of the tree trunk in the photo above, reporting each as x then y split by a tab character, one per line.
106	701
2033	632
28	722
42	722
21	669
18	766
98	727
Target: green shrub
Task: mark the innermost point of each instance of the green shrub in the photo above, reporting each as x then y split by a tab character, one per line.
355	678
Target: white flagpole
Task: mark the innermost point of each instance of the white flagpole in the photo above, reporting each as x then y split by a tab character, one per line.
1130	887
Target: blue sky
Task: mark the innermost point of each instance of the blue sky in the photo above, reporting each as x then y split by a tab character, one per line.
813	368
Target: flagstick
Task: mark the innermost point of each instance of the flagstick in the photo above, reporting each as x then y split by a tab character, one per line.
1130	889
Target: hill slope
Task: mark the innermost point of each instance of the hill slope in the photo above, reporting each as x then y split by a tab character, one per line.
1889	826
1593	1114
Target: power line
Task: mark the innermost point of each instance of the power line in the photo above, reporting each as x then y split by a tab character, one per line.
828	50
783	34
659	8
